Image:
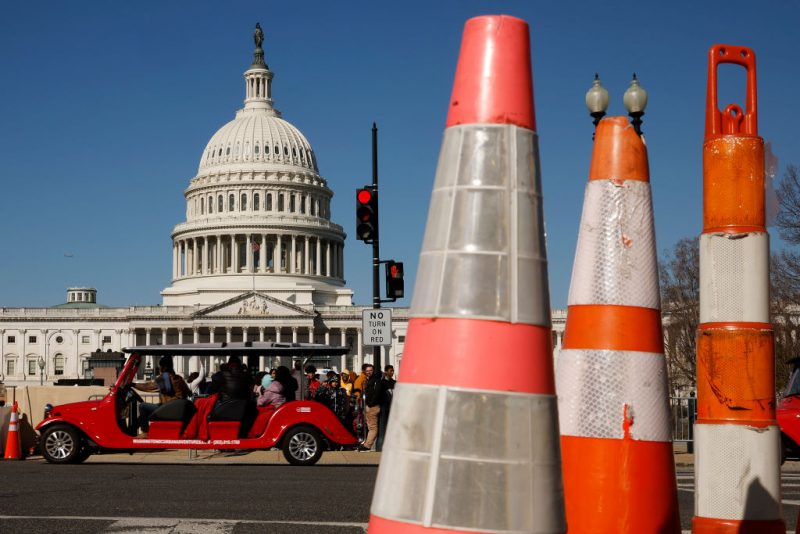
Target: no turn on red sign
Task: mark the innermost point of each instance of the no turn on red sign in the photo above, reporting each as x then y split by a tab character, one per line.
376	325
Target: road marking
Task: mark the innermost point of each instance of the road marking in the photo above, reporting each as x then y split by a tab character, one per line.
172	525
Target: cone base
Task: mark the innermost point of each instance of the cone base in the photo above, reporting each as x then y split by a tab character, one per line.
380	525
619	485
708	525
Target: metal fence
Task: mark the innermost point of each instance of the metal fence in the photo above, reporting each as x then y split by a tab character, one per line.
684	414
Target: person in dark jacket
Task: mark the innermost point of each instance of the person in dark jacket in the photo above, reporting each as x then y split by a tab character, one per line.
284	376
236	381
373	393
170	387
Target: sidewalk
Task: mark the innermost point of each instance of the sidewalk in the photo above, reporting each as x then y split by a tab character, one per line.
210	457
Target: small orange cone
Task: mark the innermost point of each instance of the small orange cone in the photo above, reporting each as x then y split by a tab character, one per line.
13	449
469	451
613	400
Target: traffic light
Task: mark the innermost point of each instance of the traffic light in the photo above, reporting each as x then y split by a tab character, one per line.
366	214
394	279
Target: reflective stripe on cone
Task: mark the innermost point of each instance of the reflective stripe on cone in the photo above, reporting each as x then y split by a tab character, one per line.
613	402
736	478
469	451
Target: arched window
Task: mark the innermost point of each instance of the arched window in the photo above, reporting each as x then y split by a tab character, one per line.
256	204
285	150
202	206
220	205
210	204
228	151
255	148
236	152
269	202
280	202
292	206
302	204
231	202
311	206
294	153
220	151
243	205
58	364
276	150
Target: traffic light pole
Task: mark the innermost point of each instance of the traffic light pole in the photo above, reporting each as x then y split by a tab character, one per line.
376	255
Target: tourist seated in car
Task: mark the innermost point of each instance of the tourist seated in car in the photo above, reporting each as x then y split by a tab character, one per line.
236	381
285	378
169	386
334	397
197	381
272	394
312	381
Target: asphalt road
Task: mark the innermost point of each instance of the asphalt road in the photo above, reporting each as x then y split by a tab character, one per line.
126	498
232	498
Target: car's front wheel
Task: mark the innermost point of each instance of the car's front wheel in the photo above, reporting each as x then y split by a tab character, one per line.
62	444
302	445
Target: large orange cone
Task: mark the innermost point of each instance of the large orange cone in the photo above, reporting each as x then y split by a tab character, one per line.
13	449
737	439
613	401
472	447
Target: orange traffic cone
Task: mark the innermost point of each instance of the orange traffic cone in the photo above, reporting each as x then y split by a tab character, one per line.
13	449
737	439
613	401
469	451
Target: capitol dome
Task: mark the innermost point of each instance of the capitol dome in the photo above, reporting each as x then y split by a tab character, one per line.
258	212
258	139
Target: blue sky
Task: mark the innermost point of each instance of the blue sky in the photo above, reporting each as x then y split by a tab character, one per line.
106	107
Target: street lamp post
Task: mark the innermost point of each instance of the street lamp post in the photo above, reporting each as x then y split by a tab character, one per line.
41	371
597	101
635	100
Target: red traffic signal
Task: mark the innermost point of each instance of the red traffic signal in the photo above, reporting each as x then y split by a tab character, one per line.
394	280
366	214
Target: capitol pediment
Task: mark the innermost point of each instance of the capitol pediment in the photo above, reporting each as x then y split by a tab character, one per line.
253	304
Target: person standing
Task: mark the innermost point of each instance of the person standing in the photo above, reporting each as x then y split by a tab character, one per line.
373	392
387	389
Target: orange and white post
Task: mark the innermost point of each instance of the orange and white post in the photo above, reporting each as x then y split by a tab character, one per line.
737	439
613	400
469	450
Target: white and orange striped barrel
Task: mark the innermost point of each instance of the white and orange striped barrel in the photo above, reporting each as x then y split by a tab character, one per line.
737	439
472	441
613	402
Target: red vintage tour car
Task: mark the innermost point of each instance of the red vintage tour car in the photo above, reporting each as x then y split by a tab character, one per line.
70	433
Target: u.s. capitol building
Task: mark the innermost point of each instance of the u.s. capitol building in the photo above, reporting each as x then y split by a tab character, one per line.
258	258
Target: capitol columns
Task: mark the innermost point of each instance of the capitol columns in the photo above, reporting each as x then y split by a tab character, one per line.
307	258
317	262
328	258
277	257
228	333
293	262
233	253
262	257
211	334
249	254
294	334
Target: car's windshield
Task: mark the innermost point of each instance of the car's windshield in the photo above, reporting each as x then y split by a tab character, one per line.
129	371
793	387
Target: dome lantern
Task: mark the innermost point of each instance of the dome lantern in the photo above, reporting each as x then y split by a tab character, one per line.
258	79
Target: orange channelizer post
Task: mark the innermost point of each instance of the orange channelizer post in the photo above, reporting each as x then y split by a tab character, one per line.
737	439
13	448
613	400
466	451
